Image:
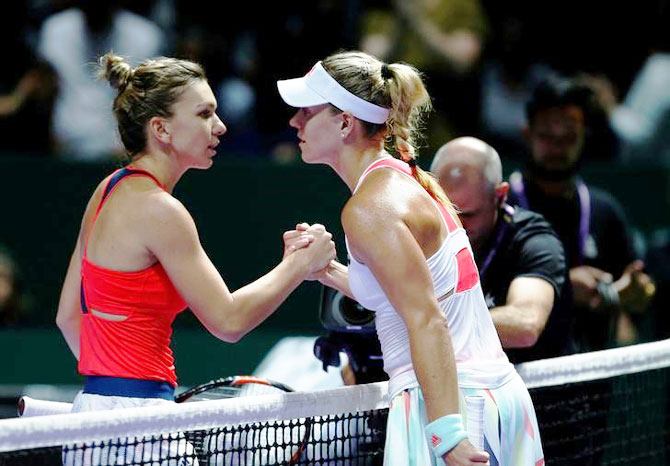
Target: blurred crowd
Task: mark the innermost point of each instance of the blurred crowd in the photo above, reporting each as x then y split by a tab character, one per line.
482	60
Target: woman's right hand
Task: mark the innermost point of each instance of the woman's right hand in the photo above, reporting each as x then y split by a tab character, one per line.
464	454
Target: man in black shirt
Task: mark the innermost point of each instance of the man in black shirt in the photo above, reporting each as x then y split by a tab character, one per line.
521	260
590	223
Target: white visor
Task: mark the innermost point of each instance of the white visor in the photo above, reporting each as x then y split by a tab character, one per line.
318	87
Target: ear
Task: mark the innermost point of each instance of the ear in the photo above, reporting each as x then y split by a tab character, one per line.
347	124
501	192
159	128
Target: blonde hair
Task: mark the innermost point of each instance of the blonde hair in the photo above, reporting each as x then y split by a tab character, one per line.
400	88
149	90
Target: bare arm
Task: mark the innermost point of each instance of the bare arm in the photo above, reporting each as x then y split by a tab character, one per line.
228	316
337	276
68	317
378	239
523	317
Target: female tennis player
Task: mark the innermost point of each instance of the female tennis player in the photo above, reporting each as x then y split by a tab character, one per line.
138	261
411	262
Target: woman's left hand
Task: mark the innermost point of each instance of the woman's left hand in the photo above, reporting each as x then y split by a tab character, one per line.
464	454
296	239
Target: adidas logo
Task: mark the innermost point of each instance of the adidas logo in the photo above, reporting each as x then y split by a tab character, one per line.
435	440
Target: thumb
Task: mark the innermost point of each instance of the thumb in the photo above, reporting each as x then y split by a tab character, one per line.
480	457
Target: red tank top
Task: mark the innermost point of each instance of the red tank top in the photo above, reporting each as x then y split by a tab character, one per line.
139	346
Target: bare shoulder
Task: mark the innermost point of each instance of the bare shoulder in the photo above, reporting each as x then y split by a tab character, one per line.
388	202
384	196
377	208
380	191
163	212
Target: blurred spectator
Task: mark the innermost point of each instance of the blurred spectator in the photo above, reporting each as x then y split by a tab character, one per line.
606	278
642	119
72	41
14	304
442	38
520	259
27	89
510	72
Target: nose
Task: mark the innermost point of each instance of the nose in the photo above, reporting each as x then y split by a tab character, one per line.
219	128
296	120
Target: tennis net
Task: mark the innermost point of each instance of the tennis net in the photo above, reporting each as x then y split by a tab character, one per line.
608	407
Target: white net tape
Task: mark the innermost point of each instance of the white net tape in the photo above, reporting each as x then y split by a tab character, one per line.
63	429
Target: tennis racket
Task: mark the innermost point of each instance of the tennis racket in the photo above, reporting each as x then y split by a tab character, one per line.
474	407
237	386
203	441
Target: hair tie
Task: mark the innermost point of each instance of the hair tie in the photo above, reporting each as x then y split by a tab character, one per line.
412	162
386	72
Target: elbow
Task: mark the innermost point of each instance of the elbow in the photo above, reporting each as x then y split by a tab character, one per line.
231	337
527	339
529	334
64	322
228	331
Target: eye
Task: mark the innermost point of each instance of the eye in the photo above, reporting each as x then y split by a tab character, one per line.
206	113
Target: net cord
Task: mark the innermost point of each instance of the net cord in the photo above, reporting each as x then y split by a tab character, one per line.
61	429
596	365
56	430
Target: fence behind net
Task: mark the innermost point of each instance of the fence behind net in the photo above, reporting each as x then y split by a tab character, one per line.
609	407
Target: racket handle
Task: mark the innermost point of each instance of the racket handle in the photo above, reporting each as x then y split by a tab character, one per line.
474	407
31	407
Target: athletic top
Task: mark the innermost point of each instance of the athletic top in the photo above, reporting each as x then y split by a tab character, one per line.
480	360
138	346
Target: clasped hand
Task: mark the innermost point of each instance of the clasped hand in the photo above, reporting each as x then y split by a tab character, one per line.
315	242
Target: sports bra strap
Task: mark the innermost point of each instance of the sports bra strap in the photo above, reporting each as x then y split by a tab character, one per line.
118	176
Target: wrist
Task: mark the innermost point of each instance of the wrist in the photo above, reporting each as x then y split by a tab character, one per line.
298	262
445	433
609	294
327	278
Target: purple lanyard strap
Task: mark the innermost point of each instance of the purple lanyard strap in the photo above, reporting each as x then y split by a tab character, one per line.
503	226
519	188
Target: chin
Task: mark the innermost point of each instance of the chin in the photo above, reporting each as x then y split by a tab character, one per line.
202	164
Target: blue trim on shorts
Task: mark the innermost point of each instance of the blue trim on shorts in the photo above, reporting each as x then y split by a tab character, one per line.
133	388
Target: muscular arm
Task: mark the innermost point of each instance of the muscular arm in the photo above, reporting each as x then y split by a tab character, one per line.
229	316
523	317
386	245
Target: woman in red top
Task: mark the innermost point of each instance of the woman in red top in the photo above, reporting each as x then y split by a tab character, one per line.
138	261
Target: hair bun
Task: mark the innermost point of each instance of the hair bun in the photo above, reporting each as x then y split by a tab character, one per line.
386	72
116	70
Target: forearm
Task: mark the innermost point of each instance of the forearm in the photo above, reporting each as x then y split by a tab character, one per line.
337	277
517	327
255	302
71	330
435	367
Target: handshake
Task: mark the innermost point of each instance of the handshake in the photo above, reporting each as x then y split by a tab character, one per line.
313	246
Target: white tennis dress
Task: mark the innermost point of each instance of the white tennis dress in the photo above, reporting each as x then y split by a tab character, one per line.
510	430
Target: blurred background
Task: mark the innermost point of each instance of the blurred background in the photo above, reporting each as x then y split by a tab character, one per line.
481	60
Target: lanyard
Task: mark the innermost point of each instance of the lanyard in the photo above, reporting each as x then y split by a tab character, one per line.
519	188
503	226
